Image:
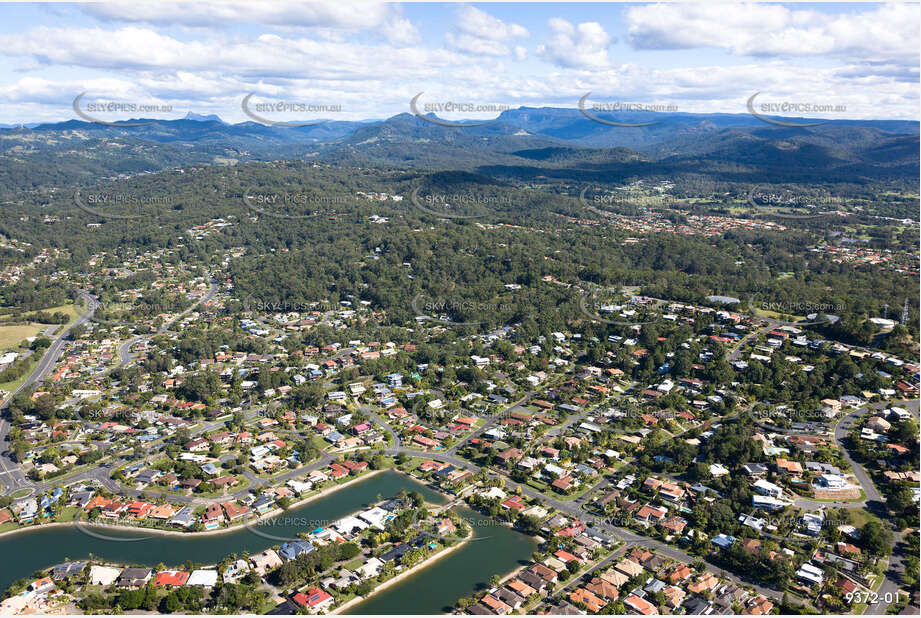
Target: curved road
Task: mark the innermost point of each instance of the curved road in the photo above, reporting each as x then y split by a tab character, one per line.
876	502
124	350
11	476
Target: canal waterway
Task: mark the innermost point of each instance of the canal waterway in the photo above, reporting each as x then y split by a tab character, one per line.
495	548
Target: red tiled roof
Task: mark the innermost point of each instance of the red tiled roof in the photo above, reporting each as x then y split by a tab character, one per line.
171	578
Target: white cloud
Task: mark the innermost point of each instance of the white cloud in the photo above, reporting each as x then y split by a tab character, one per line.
376	74
464	42
702	88
340	14
401	31
481	34
475	22
581	47
888	32
268	56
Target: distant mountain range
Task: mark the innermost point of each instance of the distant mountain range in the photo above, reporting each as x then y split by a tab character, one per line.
203	117
525	143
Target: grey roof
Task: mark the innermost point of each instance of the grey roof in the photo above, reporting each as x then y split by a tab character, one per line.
478	609
82	498
262	501
696	606
183	517
148	475
293	549
532	579
396	553
508	596
755	468
595	533
394	504
564	608
134	576
654	586
67	569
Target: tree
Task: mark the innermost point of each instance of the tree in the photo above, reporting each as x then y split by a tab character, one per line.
40	343
348	551
171	603
876	539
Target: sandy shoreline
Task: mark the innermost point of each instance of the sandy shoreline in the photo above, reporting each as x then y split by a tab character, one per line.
155	531
405	574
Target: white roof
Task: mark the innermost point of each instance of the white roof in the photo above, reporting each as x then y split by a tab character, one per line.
299	486
102	575
767	501
202	577
347	524
7	358
810	573
370	568
375	516
767	486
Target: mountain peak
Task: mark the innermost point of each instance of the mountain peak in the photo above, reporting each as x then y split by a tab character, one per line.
203	117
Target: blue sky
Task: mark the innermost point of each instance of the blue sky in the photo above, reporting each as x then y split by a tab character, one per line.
359	61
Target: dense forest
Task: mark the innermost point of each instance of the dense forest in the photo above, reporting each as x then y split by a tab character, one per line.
483	250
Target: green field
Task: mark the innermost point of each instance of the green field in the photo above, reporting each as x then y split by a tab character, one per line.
12	386
12	335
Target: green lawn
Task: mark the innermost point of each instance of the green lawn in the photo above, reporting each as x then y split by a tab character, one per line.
541	487
15	384
354	564
71	310
14	334
861	516
68	513
11	336
11	525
